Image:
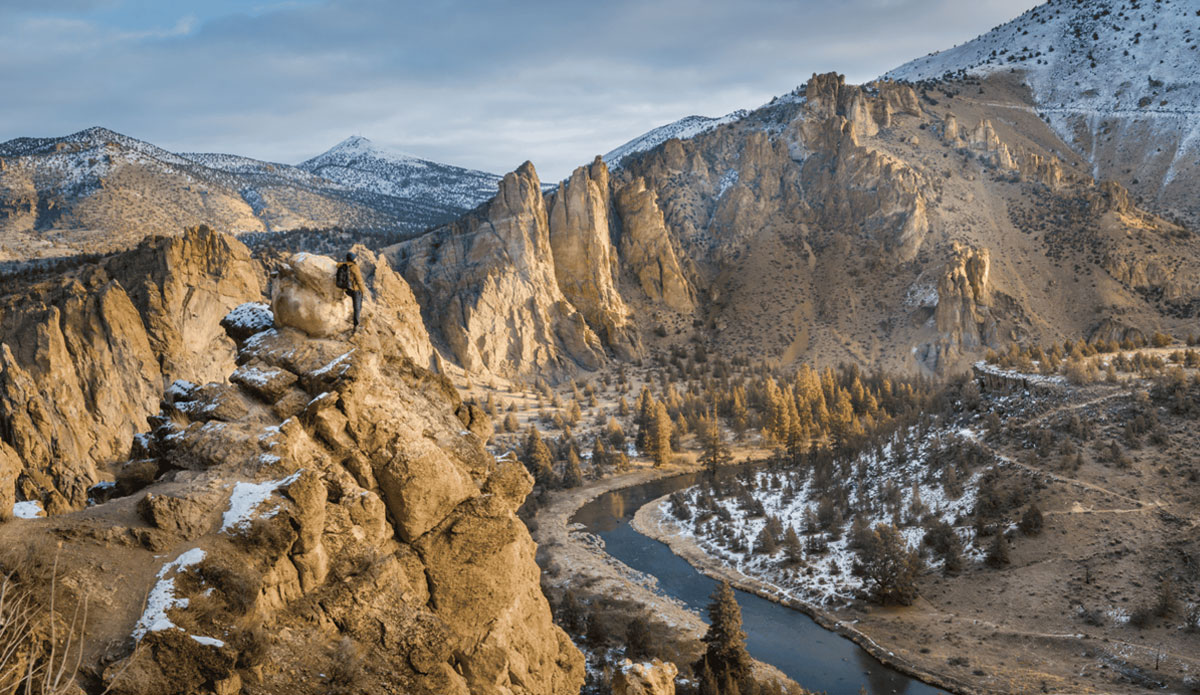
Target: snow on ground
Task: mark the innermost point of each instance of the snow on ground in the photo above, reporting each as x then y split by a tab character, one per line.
162	597
1032	378
247	497
28	510
1095	64
684	128
825	578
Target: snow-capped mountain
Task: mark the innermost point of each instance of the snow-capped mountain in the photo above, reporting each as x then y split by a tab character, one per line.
99	190
684	128
1119	80
359	164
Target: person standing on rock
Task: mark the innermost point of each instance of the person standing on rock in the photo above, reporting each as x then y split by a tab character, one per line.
350	278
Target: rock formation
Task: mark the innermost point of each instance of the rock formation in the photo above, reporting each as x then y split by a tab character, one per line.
963	316
326	517
84	359
488	289
585	262
646	248
653	678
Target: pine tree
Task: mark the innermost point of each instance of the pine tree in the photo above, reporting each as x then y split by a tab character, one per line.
537	458
638	644
997	553
573	474
716	451
510	423
615	434
725	643
660	436
792	550
1031	521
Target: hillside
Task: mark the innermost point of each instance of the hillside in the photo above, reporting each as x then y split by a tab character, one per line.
884	225
1116	79
98	191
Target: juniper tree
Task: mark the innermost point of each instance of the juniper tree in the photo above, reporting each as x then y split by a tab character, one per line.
537	458
725	644
889	568
572	474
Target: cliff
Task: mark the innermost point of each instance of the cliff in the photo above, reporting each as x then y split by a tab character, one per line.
323	518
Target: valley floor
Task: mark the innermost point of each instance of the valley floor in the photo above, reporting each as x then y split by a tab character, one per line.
1061	617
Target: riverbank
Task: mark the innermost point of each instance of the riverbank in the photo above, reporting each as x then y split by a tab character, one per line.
579	561
652	521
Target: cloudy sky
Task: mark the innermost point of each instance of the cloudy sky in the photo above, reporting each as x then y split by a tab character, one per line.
485	84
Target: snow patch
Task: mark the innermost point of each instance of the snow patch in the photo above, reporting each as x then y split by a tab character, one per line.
247	497
31	509
162	597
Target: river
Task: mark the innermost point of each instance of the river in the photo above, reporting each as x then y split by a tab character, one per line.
814	657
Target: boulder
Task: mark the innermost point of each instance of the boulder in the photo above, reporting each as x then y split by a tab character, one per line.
305	296
647	678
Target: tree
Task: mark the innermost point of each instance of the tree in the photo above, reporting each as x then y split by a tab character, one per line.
716	451
638	642
537	458
997	552
888	567
572	474
725	644
1031	521
510	423
792	550
660	436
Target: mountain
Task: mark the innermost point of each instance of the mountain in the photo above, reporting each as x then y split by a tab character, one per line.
910	227
686	127
444	191
1116	80
97	190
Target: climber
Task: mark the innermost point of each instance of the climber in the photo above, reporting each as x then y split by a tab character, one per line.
349	278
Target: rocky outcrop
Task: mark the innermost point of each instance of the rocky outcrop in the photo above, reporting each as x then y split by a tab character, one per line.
322	509
84	359
646	248
585	262
488	289
182	287
963	316
653	678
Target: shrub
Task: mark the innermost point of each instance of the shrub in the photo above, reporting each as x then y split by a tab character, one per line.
1031	521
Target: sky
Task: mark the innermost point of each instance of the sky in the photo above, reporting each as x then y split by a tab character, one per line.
485	84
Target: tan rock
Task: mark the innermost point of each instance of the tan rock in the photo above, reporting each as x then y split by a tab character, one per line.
305	297
652	678
585	262
488	290
646	248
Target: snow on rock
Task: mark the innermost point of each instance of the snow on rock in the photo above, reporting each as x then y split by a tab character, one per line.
247	497
162	597
250	318
208	641
31	509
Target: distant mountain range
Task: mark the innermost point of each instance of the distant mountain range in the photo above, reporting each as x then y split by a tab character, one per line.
1119	81
101	190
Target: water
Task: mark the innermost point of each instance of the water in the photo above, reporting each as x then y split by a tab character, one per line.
791	641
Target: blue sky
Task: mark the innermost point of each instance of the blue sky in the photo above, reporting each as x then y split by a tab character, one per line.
484	84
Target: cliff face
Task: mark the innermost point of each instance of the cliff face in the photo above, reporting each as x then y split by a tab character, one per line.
488	288
585	262
84	359
324	516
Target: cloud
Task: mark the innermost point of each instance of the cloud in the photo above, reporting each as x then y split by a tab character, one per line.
485	85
